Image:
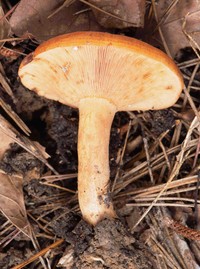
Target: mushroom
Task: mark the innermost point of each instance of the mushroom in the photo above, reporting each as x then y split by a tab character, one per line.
100	74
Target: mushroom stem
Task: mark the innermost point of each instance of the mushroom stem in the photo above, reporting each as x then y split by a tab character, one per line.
96	116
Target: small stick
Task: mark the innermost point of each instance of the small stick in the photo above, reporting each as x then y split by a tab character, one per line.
39	254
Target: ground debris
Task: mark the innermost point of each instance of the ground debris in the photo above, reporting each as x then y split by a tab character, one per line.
108	245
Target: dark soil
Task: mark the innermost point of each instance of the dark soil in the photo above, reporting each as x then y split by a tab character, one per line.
108	245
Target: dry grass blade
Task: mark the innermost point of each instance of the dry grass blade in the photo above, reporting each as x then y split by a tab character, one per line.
32	147
49	181
159	29
8	238
166	260
192	104
15	117
161	204
167	11
53	178
9	12
39	254
12	54
188	63
107	13
4	83
12	39
194	44
141	170
121	157
4	26
148	159
179	21
179	161
152	191
171	245
59	187
194	72
65	4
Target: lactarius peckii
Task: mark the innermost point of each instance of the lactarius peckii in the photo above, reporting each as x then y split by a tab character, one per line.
100	74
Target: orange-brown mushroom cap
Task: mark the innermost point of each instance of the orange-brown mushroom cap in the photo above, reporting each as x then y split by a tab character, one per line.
127	72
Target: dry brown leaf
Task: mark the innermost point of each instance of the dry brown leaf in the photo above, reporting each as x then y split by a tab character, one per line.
129	13
11	193
4	27
12	202
36	17
4	83
180	23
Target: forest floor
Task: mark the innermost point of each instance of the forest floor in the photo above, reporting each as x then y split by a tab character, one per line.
154	155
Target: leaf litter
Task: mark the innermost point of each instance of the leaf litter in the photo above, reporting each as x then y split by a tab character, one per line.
155	181
11	192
